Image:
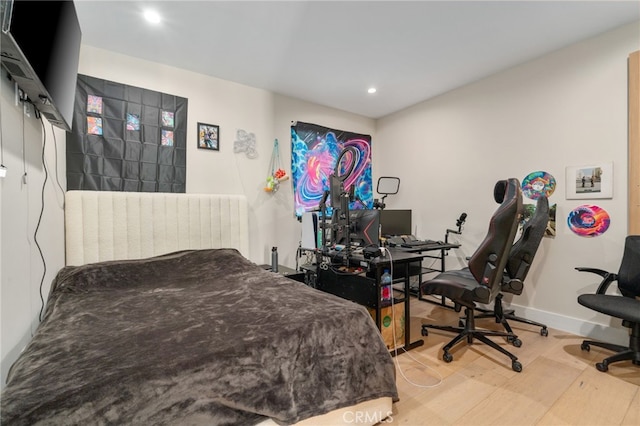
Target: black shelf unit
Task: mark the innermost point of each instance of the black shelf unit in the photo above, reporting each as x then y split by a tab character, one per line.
365	287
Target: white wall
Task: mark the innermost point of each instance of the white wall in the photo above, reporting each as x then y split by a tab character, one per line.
22	270
213	101
568	108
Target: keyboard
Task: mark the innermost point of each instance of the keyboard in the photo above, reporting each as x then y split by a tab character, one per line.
418	243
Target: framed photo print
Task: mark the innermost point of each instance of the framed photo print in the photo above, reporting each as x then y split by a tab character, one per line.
209	136
591	181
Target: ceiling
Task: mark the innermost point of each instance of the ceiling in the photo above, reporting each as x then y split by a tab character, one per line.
331	52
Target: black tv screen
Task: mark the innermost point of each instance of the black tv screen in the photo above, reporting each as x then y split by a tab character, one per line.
41	52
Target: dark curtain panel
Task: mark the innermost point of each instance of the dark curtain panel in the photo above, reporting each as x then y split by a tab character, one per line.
126	138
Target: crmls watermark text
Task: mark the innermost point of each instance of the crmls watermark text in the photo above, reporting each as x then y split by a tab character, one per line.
367	417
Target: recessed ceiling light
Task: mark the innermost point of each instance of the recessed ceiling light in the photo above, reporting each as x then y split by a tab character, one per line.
372	90
152	16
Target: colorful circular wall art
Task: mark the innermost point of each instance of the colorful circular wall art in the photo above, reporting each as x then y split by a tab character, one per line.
588	221
538	184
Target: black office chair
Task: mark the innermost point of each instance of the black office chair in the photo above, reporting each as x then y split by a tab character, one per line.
481	281
625	307
520	259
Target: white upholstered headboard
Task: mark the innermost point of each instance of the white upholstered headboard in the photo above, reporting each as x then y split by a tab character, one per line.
104	225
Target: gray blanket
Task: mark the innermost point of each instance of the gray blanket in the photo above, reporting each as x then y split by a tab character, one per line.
193	337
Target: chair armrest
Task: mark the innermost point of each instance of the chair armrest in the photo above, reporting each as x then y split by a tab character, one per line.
596	271
607	278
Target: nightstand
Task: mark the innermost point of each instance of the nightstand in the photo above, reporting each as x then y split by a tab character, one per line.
287	272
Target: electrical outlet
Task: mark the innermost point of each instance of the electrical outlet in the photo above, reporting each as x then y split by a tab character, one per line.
3	171
24	178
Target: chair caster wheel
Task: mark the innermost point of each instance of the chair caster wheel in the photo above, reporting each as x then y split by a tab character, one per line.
424	331
516	366
601	366
544	332
585	346
513	339
447	357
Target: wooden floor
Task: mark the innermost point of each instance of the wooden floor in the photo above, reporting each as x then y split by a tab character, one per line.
558	385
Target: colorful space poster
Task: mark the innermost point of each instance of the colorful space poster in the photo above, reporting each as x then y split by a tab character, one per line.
314	153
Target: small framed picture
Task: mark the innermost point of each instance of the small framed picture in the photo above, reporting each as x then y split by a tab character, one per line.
209	136
590	181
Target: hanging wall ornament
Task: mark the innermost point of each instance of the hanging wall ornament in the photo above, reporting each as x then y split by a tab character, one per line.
245	142
588	221
276	172
538	184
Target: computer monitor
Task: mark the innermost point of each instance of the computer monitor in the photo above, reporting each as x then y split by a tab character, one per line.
395	222
364	229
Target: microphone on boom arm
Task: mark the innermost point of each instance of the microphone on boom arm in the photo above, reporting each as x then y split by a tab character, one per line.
459	222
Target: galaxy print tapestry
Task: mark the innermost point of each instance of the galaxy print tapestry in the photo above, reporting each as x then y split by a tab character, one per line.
314	153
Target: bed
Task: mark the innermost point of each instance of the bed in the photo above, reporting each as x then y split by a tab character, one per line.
160	318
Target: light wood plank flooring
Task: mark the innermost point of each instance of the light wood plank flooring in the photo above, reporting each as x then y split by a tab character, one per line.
559	384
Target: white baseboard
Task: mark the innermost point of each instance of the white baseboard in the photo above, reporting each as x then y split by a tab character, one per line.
611	333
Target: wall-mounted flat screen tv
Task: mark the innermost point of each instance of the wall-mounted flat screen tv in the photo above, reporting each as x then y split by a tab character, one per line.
40	49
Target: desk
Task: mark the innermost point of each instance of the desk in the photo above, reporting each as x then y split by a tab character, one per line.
442	247
364	288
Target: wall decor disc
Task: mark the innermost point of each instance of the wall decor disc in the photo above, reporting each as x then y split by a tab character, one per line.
538	184
588	220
